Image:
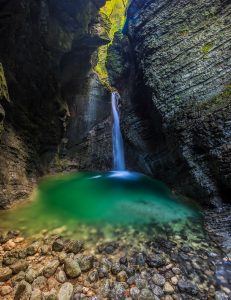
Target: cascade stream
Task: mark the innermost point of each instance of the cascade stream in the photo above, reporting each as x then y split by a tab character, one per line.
118	147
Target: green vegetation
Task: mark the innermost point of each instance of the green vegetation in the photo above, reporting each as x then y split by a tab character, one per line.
223	97
3	85
207	48
227	91
219	100
177	98
184	31
114	12
210	13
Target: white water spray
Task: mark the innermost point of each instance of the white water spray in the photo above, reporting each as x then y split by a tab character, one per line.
117	140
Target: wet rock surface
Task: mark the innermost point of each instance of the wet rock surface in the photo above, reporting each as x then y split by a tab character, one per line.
49	92
176	100
184	266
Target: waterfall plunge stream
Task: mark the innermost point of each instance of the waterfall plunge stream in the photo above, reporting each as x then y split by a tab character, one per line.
117	140
118	197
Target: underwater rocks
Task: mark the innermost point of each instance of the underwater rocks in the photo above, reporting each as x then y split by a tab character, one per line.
66	291
186	270
71	268
5	274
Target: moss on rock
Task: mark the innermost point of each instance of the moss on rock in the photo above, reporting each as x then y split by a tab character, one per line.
114	14
3	85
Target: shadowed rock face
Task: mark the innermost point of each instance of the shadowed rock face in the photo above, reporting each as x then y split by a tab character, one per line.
47	52
177	116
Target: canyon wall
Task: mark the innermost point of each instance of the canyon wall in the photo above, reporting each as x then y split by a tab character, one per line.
48	92
177	96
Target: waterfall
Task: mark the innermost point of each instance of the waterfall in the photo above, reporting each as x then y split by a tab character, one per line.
117	140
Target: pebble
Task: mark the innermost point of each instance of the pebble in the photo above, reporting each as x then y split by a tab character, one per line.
155	261
61	276
66	291
71	268
74	246
33	248
36	295
50	295
157	291
19	239
5	290
174	280
22	254
221	296
86	263
103	272
40	282
23	291
105	289
168	288
140	283
118	291
146	294
12	233
30	275
168	297
106	263
52	283
50	268
123	261
17	278
122	276
116	268
10	258
176	271
58	245
158	279
168	275
134	292
109	249
226	290
187	286
140	259
45	249
5	273
169	266
62	257
9	245
93	276
20	265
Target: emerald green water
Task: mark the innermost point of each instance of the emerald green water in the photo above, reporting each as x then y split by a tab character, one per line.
96	198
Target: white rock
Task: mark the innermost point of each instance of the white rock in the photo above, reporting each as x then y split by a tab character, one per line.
36	295
66	291
5	290
168	288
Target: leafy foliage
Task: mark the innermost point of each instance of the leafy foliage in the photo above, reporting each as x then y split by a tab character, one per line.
114	11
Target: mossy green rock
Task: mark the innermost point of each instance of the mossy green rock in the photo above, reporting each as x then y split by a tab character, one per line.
71	268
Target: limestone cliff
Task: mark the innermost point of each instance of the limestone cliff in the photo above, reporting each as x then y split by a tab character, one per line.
177	99
48	49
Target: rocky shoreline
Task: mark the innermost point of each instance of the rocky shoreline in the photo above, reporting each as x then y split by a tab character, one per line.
132	264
